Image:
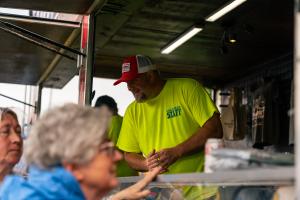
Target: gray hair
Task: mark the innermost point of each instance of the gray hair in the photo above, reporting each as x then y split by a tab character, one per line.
71	134
5	110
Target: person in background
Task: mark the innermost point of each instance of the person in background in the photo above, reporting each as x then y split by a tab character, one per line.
168	123
70	158
109	103
11	144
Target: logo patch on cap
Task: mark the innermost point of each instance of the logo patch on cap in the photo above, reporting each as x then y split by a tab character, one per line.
125	67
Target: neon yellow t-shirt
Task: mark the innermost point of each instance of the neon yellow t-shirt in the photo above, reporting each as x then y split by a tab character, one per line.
170	118
113	133
114	128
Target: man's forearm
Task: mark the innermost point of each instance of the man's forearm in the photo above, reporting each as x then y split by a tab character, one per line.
211	129
136	161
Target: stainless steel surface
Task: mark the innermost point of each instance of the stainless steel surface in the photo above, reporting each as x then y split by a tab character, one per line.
90	59
86	63
257	176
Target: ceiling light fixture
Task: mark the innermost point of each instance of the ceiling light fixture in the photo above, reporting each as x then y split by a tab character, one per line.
225	9
232	38
181	39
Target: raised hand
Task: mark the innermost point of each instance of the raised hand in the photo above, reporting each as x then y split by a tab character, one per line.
153	161
138	191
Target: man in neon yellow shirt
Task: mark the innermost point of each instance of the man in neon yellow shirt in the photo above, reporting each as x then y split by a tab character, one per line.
114	130
169	121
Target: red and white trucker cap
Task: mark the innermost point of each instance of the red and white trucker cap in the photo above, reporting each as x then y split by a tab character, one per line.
134	65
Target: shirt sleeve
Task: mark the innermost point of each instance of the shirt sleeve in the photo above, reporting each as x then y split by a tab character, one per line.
127	140
201	105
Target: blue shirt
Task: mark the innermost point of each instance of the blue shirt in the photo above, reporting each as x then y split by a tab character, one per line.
42	184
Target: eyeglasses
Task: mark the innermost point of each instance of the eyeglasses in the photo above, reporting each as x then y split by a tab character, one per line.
6	130
108	147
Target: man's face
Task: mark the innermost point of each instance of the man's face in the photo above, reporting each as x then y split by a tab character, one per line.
139	87
10	140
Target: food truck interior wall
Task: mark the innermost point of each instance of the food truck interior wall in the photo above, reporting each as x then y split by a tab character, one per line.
280	73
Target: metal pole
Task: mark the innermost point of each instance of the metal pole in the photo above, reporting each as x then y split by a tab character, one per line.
39	100
24	109
90	59
297	97
22	102
86	63
96	6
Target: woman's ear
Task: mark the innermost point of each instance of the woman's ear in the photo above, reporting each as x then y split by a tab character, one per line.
74	170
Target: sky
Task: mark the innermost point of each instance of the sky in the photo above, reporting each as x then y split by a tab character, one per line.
56	97
102	87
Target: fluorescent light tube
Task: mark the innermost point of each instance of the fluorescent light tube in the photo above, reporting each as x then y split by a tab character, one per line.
181	39
225	9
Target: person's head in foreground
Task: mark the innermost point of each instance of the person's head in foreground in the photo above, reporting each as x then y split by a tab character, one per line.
69	155
10	141
141	76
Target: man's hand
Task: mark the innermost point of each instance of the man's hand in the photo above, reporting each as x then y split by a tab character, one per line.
167	157
153	161
138	191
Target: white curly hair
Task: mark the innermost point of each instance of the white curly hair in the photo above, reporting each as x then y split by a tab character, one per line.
71	134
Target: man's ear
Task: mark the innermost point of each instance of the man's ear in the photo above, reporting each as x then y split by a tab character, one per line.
151	76
75	170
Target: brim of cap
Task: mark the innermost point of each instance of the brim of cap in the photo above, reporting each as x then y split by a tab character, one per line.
122	79
118	81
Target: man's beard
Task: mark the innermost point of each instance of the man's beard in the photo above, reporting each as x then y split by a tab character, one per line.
140	98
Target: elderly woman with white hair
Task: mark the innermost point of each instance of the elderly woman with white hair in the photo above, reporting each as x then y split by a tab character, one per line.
10	141
70	158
